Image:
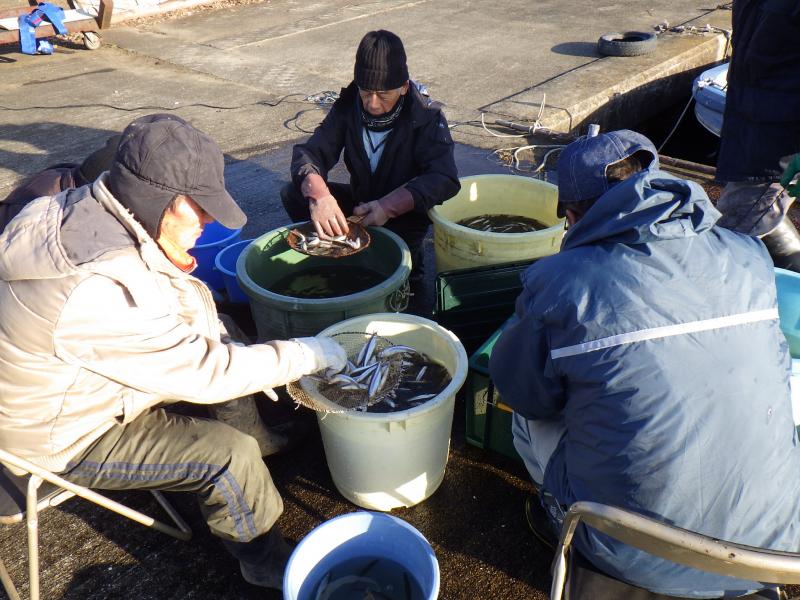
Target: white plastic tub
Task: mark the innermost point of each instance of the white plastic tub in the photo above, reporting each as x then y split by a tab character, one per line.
382	461
459	247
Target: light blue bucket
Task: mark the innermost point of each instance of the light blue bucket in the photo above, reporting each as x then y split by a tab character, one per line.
214	238
788	287
225	263
360	535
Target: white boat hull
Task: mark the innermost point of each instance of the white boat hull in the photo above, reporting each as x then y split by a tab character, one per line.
708	91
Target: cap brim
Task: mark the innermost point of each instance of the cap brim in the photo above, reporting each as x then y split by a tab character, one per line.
222	207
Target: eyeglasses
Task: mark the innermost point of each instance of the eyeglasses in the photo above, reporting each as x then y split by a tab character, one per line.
383	95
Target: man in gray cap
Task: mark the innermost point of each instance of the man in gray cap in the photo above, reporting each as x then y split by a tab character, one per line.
397	150
102	326
647	370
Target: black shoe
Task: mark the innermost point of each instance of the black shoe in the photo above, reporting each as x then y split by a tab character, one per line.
539	522
263	560
269	574
277	439
783	244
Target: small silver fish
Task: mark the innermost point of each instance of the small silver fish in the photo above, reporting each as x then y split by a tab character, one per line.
369	349
421	397
395	350
341	378
360	361
374	383
357	370
366	372
421	373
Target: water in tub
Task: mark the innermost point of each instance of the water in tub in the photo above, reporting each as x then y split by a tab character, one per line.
367	578
327	281
502	223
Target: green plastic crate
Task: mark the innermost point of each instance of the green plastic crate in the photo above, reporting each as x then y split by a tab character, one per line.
473	303
488	419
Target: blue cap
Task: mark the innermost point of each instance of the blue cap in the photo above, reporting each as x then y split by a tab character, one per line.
582	164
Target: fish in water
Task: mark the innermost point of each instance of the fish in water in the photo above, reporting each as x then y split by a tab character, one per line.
392	378
502	223
378	579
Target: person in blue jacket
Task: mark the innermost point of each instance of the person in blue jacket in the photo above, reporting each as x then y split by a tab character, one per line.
647	370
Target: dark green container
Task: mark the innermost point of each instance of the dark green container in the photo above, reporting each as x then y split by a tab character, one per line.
488	419
268	259
473	303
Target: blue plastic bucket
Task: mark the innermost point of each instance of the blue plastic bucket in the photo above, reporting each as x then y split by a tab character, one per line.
225	263
788	286
214	238
371	537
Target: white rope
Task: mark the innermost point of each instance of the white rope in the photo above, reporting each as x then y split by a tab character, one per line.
675	127
501	135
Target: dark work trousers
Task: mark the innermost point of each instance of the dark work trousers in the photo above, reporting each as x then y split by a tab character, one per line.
412	233
160	450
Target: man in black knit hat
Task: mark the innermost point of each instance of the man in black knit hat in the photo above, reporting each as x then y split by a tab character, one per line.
397	149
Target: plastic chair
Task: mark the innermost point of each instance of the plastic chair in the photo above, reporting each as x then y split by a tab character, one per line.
675	544
16	505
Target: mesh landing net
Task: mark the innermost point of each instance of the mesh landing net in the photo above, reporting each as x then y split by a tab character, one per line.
312	392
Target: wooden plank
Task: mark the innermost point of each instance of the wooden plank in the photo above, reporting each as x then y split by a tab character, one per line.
15	12
104	13
12	36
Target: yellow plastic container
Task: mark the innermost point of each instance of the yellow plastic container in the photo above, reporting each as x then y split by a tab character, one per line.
459	247
382	461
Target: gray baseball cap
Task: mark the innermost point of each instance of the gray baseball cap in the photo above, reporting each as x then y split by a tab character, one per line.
161	156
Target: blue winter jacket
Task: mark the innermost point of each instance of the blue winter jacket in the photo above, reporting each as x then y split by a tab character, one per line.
656	334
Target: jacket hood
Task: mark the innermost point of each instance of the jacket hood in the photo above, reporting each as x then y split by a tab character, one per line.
650	206
61	235
30	245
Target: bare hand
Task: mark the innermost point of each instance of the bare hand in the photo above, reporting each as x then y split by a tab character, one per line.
328	218
374	213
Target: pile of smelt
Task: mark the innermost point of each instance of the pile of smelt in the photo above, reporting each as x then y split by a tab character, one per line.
499	223
389	379
313	244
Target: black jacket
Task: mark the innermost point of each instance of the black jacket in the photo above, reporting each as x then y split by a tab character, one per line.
46	183
762	105
418	153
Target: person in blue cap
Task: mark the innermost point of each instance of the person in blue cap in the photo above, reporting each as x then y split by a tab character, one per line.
647	370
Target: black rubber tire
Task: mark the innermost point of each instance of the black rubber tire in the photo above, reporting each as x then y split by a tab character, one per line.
91	40
630	43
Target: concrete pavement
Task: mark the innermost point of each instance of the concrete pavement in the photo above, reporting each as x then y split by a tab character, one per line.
244	74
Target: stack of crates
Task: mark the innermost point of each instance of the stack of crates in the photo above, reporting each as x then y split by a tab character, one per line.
488	419
474	304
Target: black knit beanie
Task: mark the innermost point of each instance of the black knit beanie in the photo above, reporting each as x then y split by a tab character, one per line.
380	62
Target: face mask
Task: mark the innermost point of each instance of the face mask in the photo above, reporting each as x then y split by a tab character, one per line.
381	122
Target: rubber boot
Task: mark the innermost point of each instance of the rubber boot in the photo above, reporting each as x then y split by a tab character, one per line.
242	414
783	244
263	560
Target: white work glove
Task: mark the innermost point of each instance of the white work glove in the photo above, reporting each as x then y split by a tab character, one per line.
322	353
